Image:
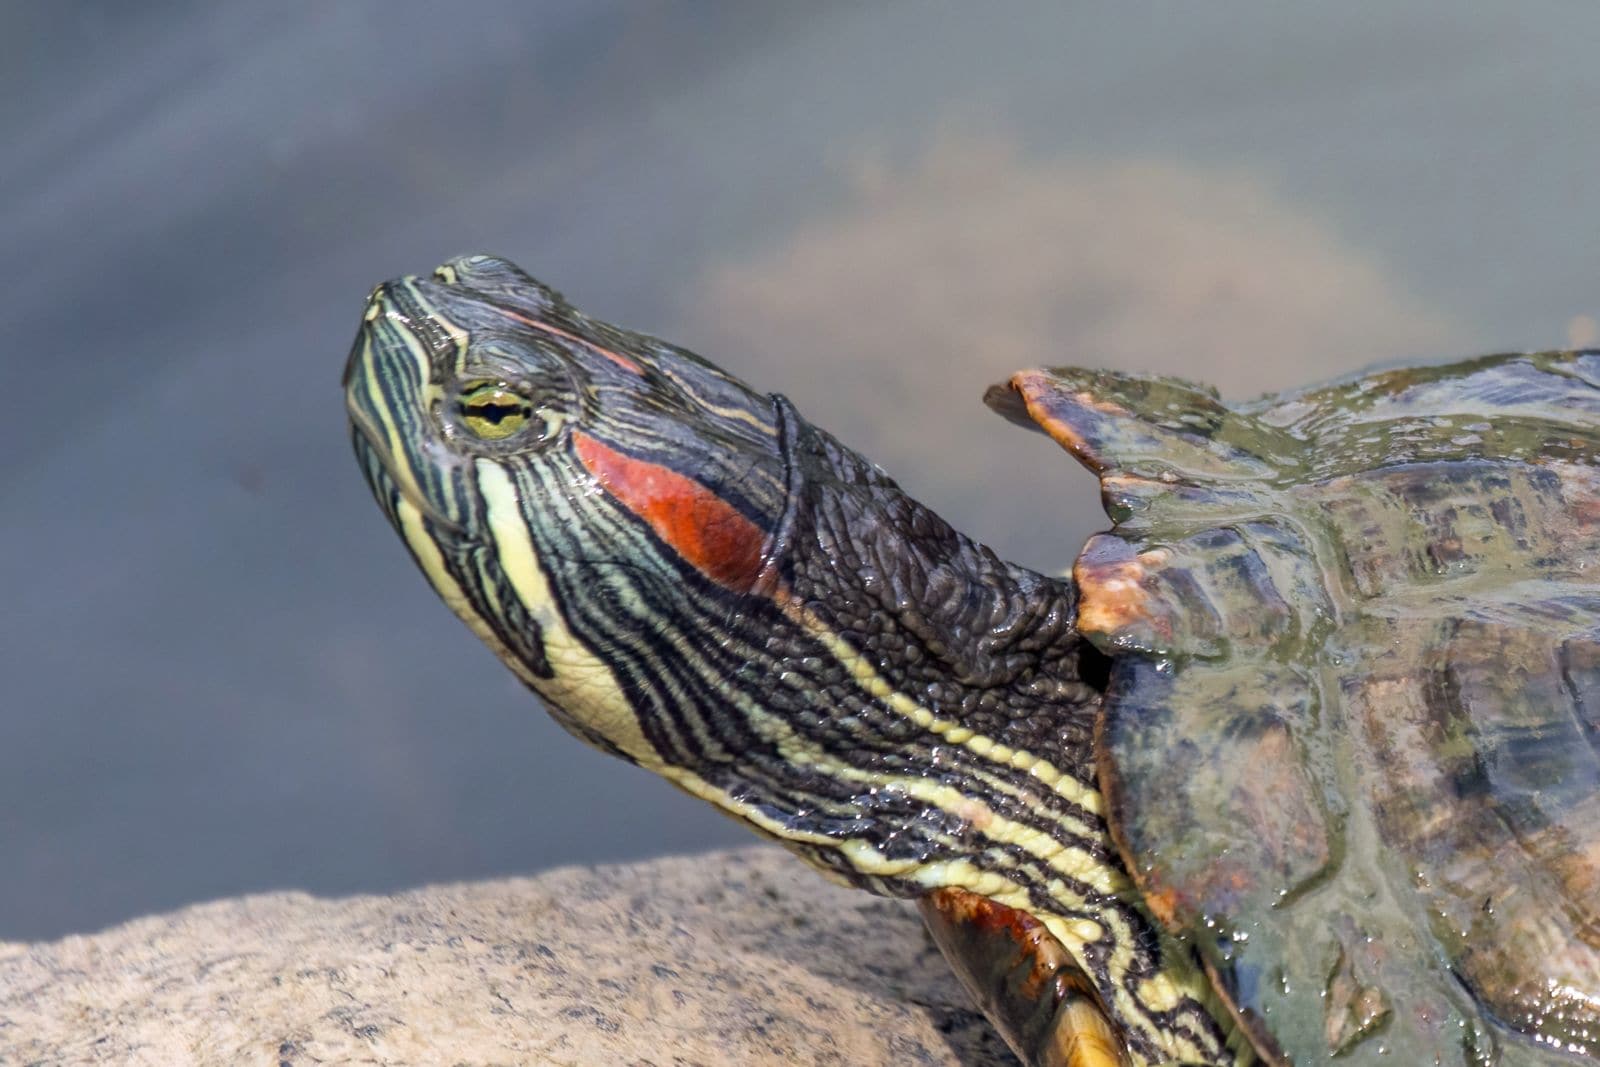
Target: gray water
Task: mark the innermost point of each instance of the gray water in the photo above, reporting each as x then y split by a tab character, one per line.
220	673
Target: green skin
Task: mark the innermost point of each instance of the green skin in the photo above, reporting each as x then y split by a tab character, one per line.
699	581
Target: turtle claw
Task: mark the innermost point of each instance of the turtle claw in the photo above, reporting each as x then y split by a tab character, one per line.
1024	980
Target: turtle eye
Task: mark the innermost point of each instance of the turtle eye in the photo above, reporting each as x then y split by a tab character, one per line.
493	412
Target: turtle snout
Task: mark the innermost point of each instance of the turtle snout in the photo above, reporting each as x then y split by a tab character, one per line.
481	271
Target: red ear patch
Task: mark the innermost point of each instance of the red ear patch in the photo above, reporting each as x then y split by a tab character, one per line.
707	531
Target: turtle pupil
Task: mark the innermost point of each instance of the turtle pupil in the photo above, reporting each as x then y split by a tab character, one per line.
494	412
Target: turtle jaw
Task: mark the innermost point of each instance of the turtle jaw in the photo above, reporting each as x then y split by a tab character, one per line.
379	465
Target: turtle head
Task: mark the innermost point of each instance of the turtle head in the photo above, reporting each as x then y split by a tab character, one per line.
696	579
569	488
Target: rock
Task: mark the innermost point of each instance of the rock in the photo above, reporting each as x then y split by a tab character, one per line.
741	957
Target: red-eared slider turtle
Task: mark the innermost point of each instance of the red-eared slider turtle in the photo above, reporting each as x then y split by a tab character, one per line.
1303	764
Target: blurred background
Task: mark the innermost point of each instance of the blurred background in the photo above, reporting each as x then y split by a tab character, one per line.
218	671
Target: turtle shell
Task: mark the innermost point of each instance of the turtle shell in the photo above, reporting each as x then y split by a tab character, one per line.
1351	742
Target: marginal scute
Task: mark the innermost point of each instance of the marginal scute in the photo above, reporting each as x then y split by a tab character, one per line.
1351	745
1209	793
1250	581
1096	415
1117	604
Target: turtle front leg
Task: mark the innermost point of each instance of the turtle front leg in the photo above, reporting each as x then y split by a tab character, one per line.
1024	980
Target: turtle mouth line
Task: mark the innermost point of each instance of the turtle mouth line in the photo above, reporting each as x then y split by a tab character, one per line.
379	464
